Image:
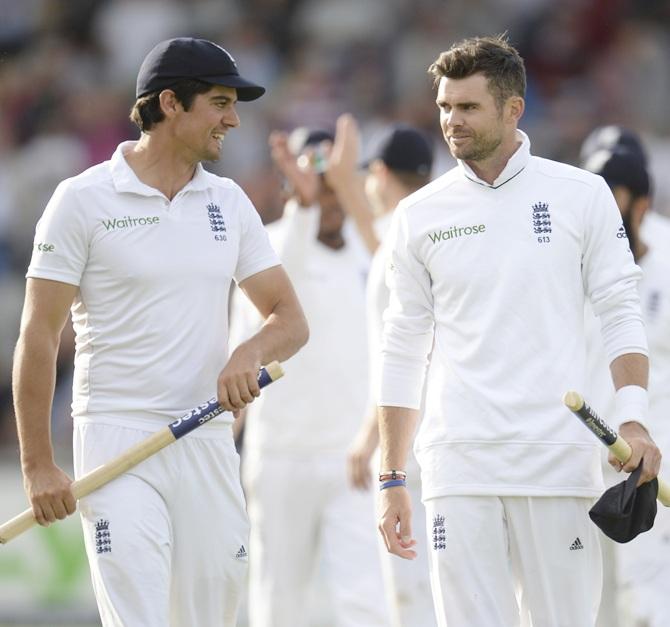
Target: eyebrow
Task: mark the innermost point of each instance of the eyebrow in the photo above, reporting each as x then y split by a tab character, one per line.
222	98
464	103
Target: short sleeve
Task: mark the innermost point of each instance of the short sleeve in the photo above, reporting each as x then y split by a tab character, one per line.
255	253
60	248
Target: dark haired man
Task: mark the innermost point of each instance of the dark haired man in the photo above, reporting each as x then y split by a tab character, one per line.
490	265
142	250
303	512
402	163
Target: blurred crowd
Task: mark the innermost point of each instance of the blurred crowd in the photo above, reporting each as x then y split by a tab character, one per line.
67	72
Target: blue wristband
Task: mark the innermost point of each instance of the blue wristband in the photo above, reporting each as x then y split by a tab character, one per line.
392	484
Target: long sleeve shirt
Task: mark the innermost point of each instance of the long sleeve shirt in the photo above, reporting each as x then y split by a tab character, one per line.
495	276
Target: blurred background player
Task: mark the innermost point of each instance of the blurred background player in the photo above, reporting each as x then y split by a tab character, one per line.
401	164
142	250
305	516
635	595
656	225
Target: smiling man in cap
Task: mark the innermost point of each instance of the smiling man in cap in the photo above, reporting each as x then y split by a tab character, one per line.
142	249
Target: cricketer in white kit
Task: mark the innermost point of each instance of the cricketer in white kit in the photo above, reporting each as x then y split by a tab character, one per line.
640	567
151	326
146	256
490	266
305	517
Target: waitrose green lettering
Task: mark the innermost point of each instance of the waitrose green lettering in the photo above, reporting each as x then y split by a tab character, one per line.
456	231
127	222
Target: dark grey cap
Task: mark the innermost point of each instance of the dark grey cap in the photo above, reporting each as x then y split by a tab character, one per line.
620	167
187	58
626	510
611	137
406	149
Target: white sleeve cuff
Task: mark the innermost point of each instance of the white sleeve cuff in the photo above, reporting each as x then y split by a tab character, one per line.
631	404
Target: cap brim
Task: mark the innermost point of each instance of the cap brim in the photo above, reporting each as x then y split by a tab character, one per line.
246	90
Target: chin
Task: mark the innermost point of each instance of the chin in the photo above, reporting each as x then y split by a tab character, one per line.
211	156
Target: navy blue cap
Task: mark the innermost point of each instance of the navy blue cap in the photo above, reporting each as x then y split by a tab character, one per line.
406	149
187	58
611	137
626	510
620	167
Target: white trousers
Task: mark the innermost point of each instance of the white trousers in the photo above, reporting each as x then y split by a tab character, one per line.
302	509
514	561
167	541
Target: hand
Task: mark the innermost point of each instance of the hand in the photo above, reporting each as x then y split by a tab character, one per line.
48	489
395	523
343	160
305	181
644	450
237	385
358	462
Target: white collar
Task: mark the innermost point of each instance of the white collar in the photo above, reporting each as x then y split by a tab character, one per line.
516	163
125	179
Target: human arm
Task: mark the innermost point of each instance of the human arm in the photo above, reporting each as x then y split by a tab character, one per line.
343	178
45	312
611	283
630	374
396	430
406	343
361	451
283	333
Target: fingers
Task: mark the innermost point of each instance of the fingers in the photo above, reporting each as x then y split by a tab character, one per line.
42	517
49	509
395	523
651	464
614	462
50	494
236	391
345	148
397	542
643	451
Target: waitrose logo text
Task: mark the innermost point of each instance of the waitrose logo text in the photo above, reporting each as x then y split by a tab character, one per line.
456	231
127	222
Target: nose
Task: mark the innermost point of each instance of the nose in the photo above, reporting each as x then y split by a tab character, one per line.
452	118
231	119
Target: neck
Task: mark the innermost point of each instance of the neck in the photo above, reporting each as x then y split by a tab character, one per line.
157	164
394	194
489	169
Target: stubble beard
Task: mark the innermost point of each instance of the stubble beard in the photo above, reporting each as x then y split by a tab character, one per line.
480	149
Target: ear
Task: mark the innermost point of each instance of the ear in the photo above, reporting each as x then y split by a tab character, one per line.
170	106
515	107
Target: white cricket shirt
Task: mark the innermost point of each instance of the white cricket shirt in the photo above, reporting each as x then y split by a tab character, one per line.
497	274
319	404
154	275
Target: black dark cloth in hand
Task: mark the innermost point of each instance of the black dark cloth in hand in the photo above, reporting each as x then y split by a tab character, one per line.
624	511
